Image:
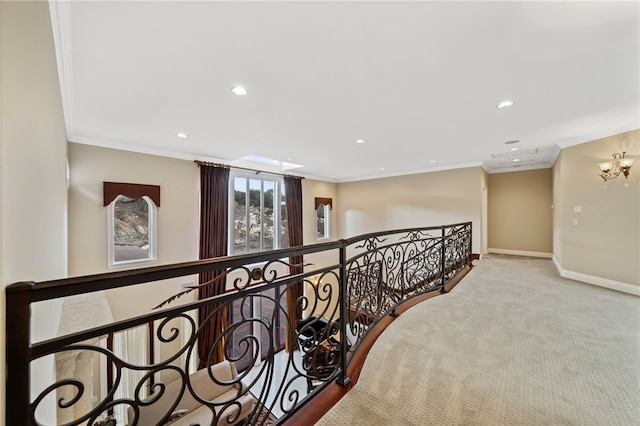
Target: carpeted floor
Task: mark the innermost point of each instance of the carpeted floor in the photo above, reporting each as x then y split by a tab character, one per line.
512	344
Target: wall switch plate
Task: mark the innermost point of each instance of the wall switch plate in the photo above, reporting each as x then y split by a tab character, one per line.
575	222
577	209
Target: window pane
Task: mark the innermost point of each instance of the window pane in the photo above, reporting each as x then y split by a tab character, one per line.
240	216
255	215
131	229
320	222
284	227
268	229
259	215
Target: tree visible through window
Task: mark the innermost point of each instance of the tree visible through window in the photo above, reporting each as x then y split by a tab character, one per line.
259	215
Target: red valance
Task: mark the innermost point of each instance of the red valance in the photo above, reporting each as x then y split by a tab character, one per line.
132	190
324	201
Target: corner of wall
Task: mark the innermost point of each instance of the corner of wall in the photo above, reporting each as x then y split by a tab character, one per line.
597	281
589	211
30	90
2	282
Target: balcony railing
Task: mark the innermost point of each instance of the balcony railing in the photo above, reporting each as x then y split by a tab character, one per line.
347	286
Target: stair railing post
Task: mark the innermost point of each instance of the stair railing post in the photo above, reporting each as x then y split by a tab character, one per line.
18	341
470	254
343	378
443	261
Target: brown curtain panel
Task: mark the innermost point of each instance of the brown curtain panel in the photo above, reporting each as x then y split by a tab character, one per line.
214	214
293	200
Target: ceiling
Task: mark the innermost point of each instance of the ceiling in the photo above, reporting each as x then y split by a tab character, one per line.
418	82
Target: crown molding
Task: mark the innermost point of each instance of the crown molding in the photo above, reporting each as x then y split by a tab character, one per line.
60	12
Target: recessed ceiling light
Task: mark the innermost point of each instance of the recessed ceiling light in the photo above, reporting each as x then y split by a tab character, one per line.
515	149
433	161
511	142
504	104
381	168
239	90
181	135
360	141
515	160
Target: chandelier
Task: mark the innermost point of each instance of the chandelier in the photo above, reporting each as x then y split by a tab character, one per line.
613	169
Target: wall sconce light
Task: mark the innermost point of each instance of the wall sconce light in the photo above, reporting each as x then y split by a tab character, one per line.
612	169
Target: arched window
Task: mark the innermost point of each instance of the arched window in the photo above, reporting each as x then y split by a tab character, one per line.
131	224
323	205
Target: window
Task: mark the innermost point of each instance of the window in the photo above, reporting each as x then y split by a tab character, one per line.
132	230
322	221
323	206
258	214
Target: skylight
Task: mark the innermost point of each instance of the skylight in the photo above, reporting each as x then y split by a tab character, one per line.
281	165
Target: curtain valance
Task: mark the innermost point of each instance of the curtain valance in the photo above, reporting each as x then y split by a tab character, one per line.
111	190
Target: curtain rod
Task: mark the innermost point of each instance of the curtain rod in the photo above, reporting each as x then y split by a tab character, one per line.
257	172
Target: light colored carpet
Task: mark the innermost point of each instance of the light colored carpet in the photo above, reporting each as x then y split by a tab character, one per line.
512	344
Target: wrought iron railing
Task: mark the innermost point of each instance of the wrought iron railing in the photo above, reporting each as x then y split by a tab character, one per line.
388	268
355	283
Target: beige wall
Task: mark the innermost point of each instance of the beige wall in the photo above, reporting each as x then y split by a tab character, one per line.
177	223
177	218
520	214
484	215
426	199
310	190
3	302
556	211
605	245
34	194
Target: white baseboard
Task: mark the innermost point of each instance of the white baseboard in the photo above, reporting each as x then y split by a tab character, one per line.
598	281
521	253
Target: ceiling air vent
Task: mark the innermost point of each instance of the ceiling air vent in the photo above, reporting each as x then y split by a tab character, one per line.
517	153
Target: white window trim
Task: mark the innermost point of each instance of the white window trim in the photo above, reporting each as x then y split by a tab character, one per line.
112	263
327	213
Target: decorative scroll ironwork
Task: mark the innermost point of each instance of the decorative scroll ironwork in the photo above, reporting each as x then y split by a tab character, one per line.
385	269
268	273
384	276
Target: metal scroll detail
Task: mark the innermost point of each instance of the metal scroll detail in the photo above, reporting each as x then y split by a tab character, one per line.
408	265
256	325
101	375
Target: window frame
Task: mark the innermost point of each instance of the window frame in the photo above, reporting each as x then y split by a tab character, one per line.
327	233
277	215
152	234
